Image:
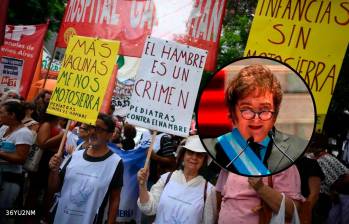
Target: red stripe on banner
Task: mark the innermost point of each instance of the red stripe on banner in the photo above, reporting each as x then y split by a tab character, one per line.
212	114
19	56
3	18
197	23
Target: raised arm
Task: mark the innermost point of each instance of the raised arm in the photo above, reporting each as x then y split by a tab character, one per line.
148	201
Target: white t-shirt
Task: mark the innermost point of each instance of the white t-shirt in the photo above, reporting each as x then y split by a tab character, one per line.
21	136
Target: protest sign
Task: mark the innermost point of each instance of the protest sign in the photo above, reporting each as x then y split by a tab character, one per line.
19	56
122	96
46	58
197	23
310	36
83	79
166	86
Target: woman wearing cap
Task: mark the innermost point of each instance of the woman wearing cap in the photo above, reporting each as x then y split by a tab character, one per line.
183	196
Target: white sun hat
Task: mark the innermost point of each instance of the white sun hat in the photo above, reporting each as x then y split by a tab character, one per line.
194	144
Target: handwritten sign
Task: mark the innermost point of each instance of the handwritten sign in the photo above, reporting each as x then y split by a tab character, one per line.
83	79
310	36
166	86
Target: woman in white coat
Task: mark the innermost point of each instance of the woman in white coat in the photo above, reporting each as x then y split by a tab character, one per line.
182	196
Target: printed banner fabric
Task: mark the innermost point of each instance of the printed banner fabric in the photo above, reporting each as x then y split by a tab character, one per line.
196	23
19	56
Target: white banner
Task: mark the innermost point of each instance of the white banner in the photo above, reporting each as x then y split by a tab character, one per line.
166	86
11	73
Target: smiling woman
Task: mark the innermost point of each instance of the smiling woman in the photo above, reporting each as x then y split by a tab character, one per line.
254	146
182	196
95	174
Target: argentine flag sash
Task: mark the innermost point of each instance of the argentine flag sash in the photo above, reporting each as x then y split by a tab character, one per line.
247	163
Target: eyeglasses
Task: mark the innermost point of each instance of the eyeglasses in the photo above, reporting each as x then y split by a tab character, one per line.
249	114
99	129
83	128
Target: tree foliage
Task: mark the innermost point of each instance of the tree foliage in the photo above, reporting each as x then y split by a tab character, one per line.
236	27
29	12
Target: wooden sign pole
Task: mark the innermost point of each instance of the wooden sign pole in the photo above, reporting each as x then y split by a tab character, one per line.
61	146
147	161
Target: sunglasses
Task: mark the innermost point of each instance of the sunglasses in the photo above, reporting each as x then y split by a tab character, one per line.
83	128
99	129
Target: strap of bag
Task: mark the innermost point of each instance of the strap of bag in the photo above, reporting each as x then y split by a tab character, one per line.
205	195
168	178
279	217
265	213
295	217
270	181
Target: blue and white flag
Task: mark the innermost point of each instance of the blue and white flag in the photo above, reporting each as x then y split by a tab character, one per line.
133	160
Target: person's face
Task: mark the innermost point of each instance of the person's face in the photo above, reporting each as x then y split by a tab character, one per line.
84	131
193	160
116	134
255	127
100	136
47	97
5	117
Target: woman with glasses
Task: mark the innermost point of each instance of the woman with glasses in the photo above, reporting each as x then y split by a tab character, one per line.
255	147
90	182
182	196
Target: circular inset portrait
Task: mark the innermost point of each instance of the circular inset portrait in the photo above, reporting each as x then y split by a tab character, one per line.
256	116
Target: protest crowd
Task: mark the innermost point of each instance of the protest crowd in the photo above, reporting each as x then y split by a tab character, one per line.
34	176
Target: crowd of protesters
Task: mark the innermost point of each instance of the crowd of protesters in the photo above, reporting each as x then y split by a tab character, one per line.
86	183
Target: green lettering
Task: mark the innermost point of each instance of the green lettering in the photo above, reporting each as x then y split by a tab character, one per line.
95	106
